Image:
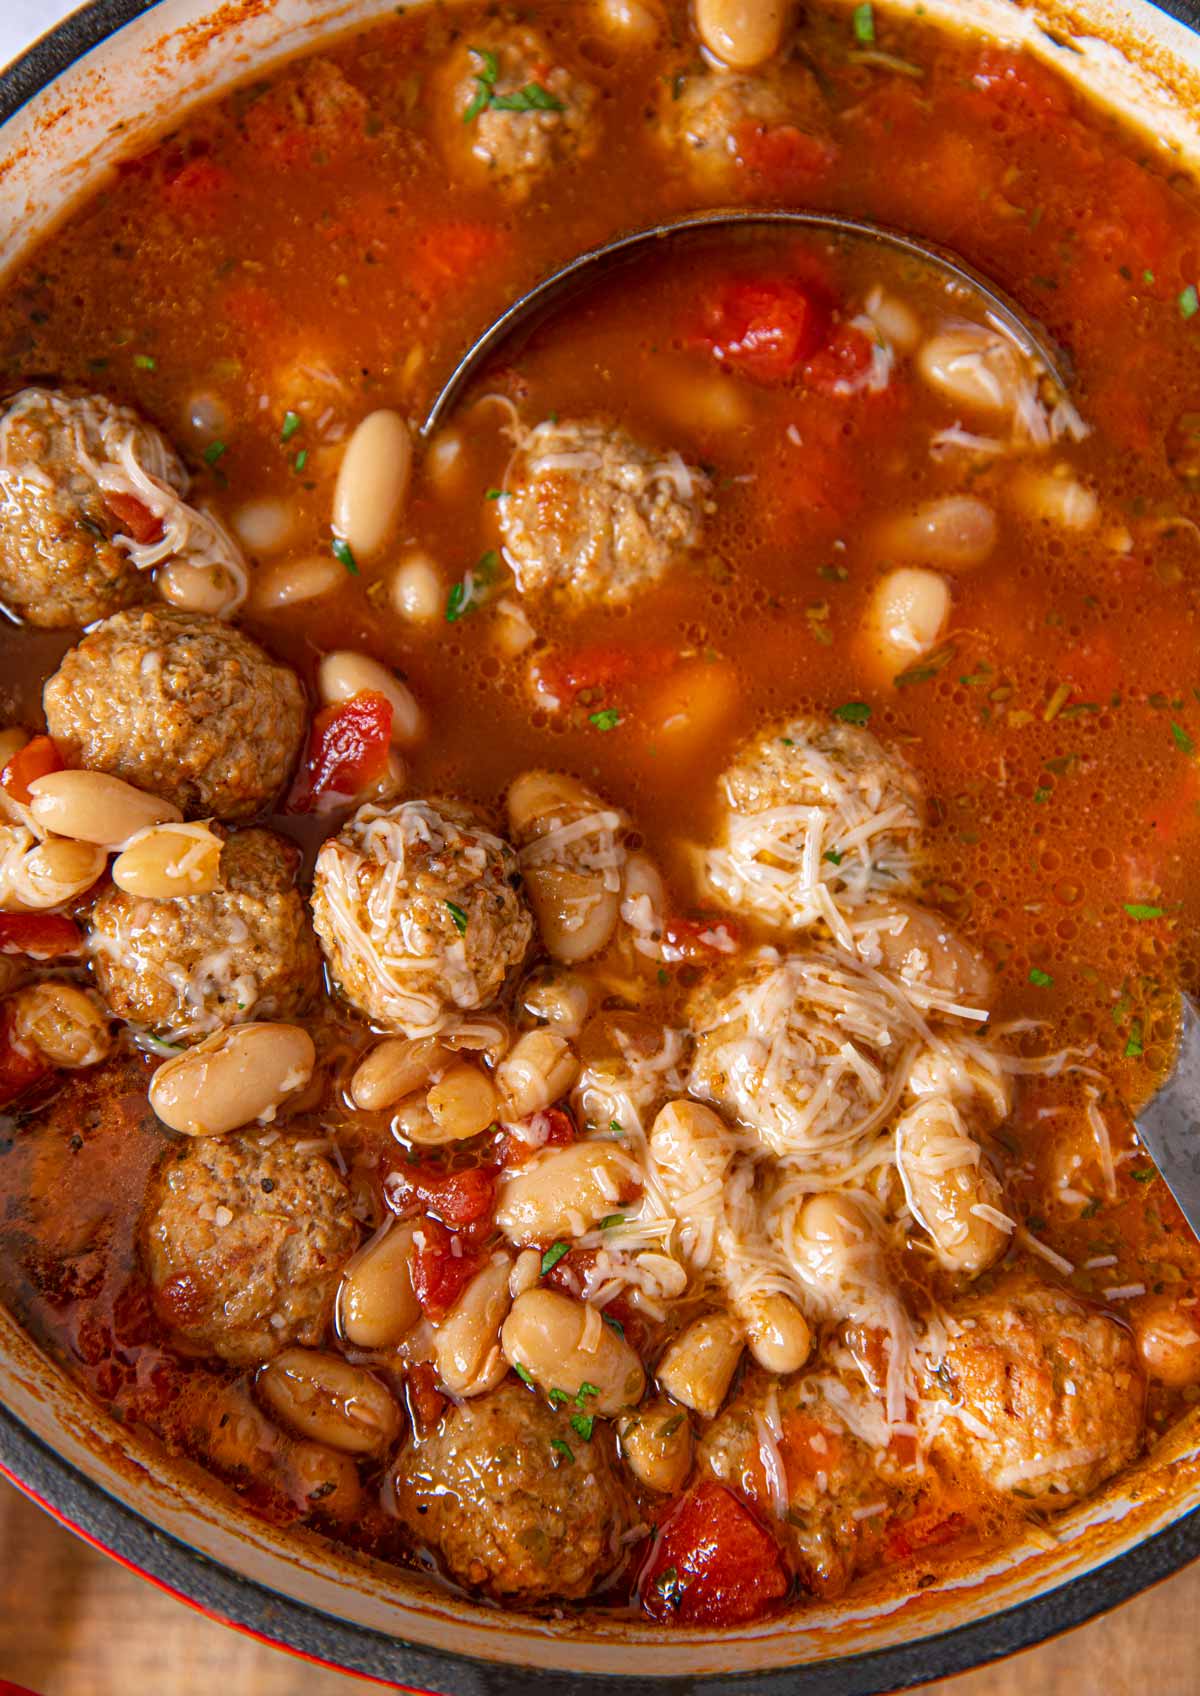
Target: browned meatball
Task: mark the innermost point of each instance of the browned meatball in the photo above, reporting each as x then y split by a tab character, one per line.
513	1500
182	706
186	966
1051	1389
244	1239
512	114
841	1495
722	128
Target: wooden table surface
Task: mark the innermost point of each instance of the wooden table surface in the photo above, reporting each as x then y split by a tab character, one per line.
75	1624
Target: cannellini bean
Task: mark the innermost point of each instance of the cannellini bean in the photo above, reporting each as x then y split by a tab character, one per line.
563	1344
198	588
322	1397
561	999
372	482
466	1346
974	367
232	1077
922	946
526	1272
321	1481
636	22
413	1122
91	806
563	1192
538	1070
950	1189
512	630
168	861
836	1249
906	616
446	465
895	320
418	592
376	1304
265	526
741	33
955	532
656	1445
575	902
55	871
294	582
396	1067
1055	497
463	1102
66	1024
1168	1340
704	403
697	1367
344	674
777	1333
208	416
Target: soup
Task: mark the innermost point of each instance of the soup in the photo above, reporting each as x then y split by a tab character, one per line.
574	990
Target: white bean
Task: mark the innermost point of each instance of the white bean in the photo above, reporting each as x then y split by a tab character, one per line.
295	581
656	1445
463	1102
512	630
232	1077
538	1070
895	320
394	1068
974	367
561	999
166	862
418	592
949	1187
343	674
575	903
697	1367
563	1344
66	1024
52	872
636	22
837	1251
954	532
91	806
466	1345
563	1192
1168	1340
446	465
1055	497
742	34
372	482
198	588
265	526
777	1333
906	616
921	945
325	1399
376	1305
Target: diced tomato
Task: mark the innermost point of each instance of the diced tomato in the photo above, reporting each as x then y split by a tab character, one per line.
765	327
439	1275
194	190
843	366
782	159
712	1563
134	518
599	670
553	1128
807	1447
43	936
36	759
924	1531
699	938
347	750
457	1199
452	254
1016	84
426	1402
20	1066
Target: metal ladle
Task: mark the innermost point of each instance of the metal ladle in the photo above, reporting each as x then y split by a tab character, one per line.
1169	1126
582	272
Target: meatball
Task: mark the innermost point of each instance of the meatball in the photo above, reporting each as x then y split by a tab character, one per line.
746	134
513	1500
593	517
1051	1394
186	966
513	115
802	1050
420	912
830	1478
182	706
244	1239
821	818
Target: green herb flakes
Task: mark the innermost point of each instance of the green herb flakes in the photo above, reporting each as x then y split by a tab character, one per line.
583	1424
1189	302
864	24
553	1255
344	554
458	914
613	1324
145	362
834	856
611	1221
214	451
1144	1175
853	712
1039	978
1181	738
616	1127
608	718
291	423
521	1373
1133	1048
300	461
1041	795
563	1448
1139	910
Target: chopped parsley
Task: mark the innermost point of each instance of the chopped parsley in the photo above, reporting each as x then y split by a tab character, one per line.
613	1324
147	361
563	1448
291	423
611	1221
583	1424
608	718
553	1255
1139	910
1182	739
833	573
1189	302
521	1373
1148	277
464	596
344	554
1039	978
834	856
558	1398
1144	1175
300	461
864	24
585	1390
458	914
669	1426
616	1127
1133	1048
853	712
497	494
213	452
531	98
1041	795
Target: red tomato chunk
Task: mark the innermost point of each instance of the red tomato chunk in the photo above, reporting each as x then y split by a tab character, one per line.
439	1274
712	1563
347	750
766	328
43	936
36	759
457	1199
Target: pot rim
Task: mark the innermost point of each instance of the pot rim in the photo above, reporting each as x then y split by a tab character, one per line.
83	1507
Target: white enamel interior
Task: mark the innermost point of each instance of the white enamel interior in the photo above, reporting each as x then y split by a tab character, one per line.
57	149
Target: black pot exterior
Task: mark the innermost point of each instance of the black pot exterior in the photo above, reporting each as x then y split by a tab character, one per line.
84	1507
